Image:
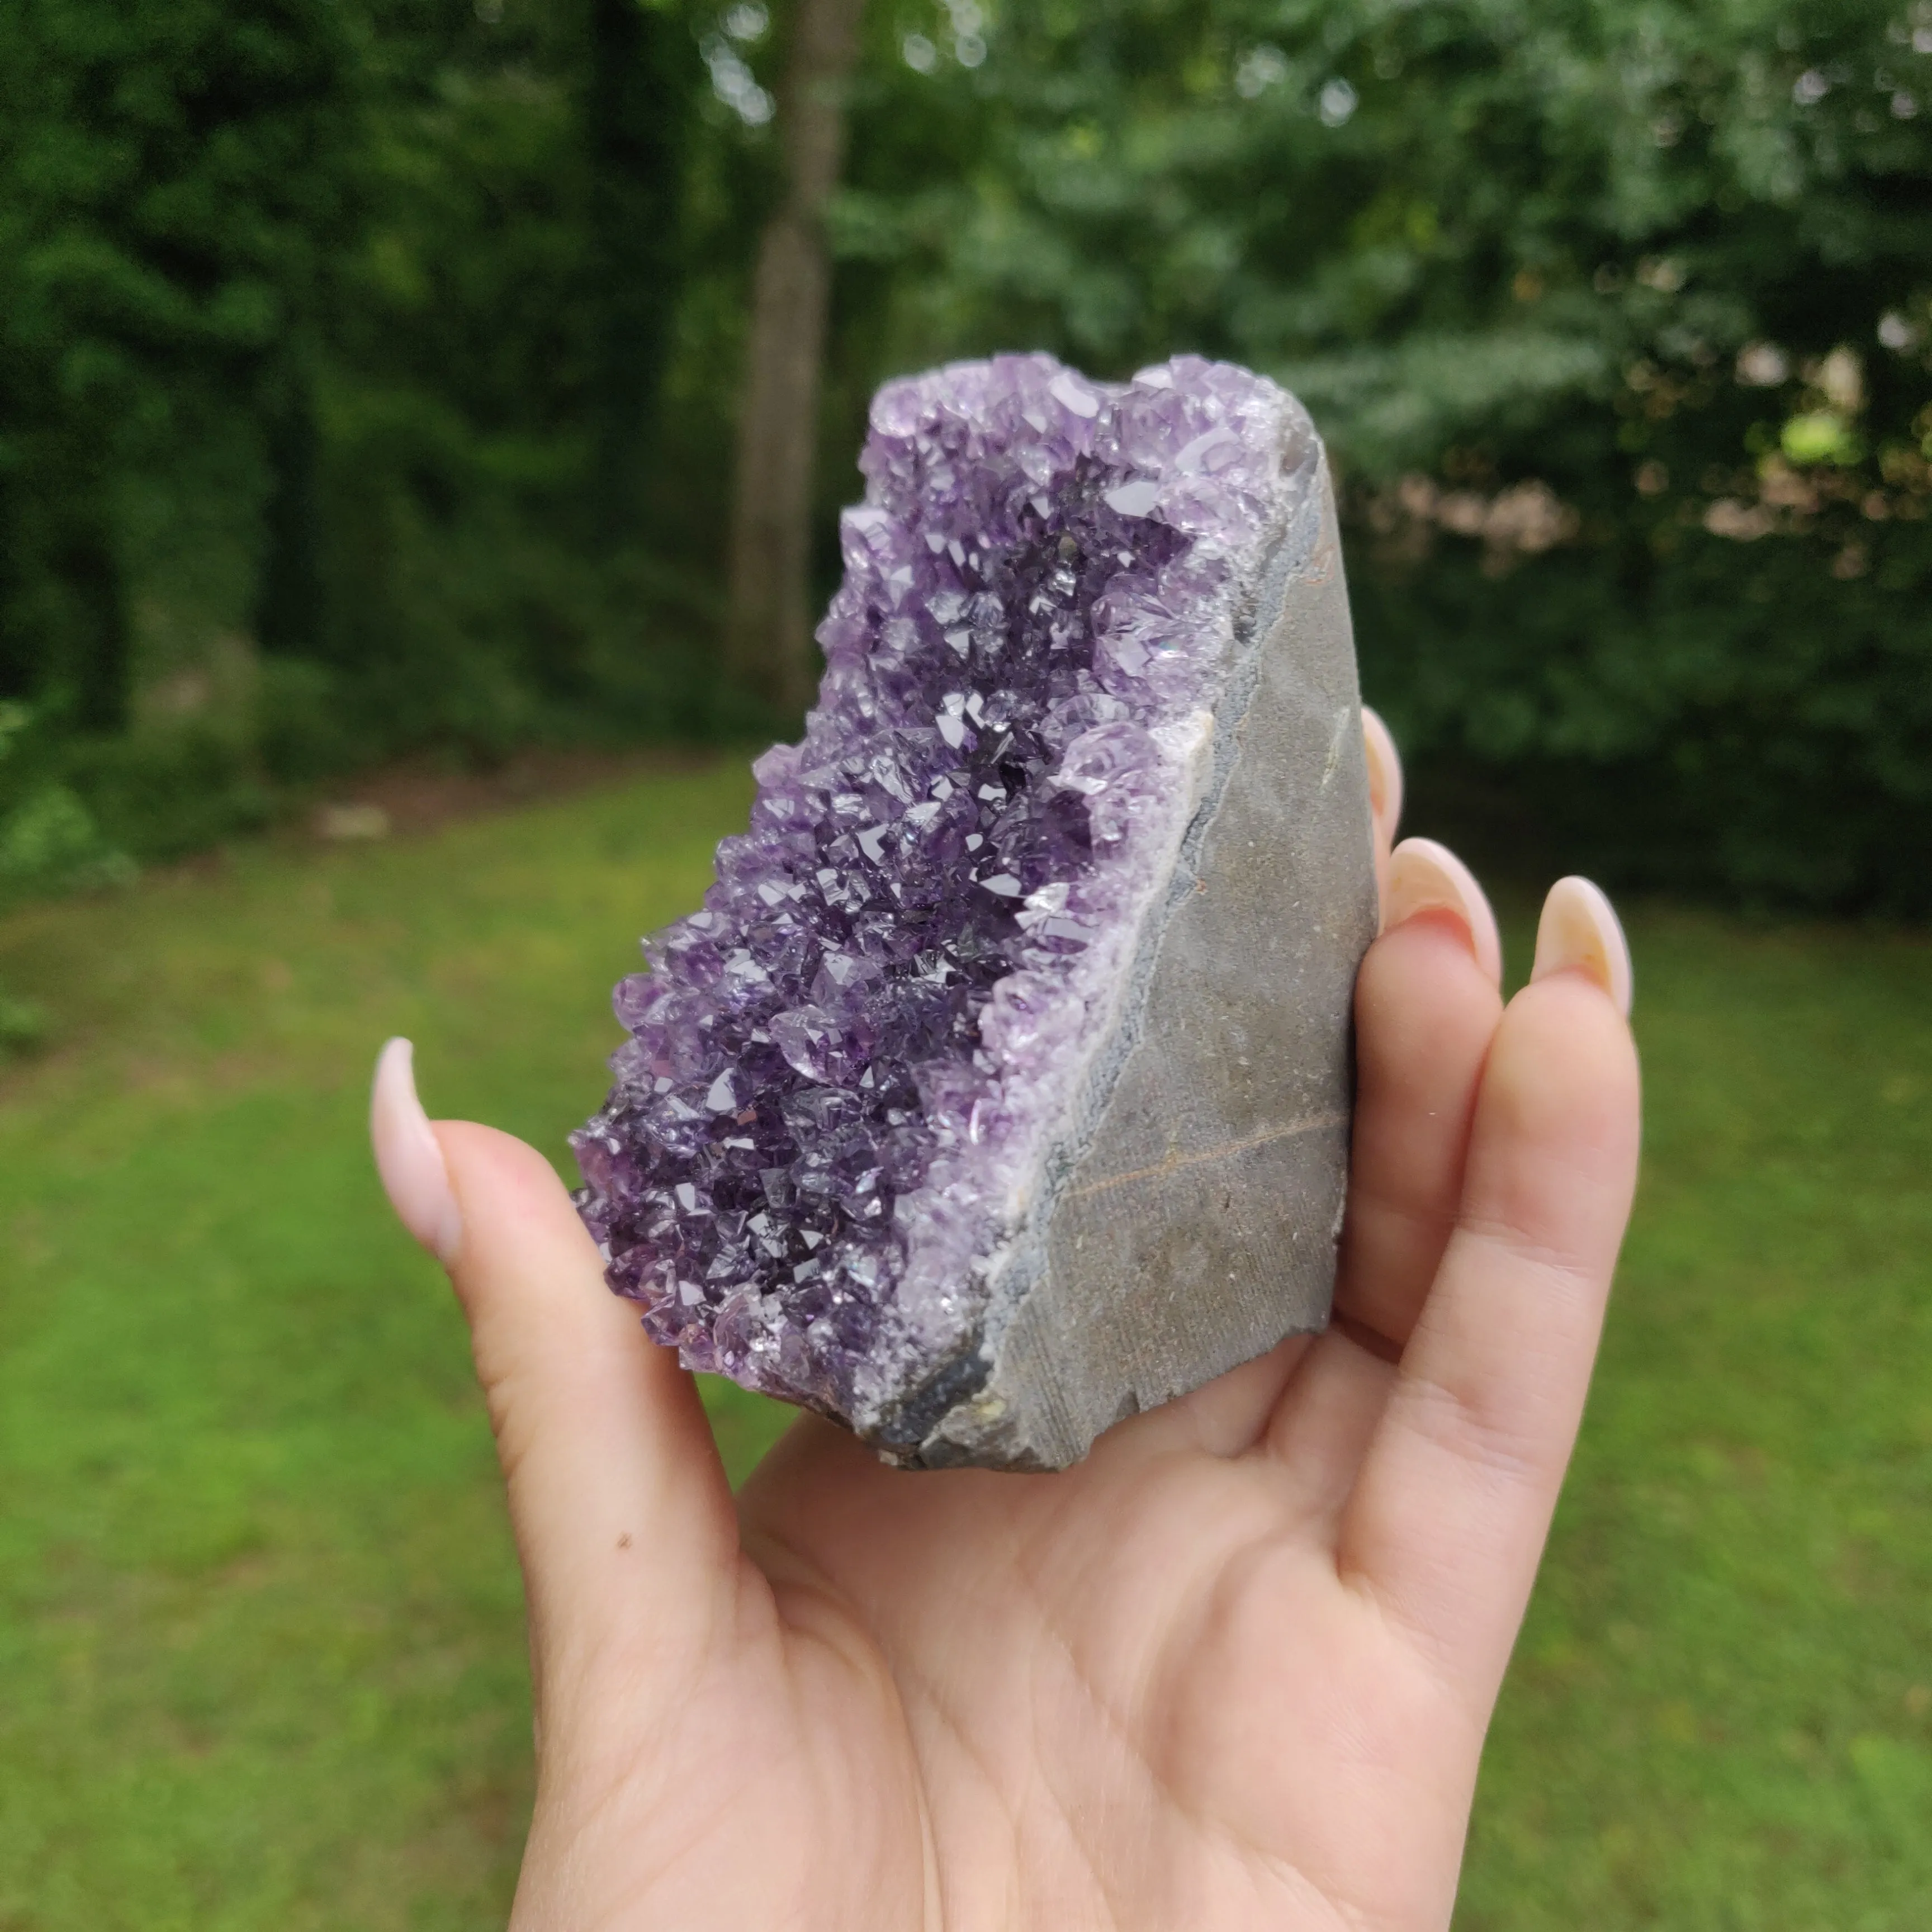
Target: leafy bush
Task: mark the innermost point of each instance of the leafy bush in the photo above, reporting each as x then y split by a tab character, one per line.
23	1025
313	338
1617	320
50	841
162	796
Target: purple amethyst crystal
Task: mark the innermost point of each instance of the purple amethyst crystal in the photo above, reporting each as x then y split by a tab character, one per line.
999	1088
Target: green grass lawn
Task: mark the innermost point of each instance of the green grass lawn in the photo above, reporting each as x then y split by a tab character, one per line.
261	1657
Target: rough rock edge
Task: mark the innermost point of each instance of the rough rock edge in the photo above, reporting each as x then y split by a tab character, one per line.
957	1414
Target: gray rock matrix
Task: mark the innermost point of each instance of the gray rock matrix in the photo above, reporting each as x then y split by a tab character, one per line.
1191	1223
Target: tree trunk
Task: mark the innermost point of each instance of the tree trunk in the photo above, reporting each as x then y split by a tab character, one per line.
768	634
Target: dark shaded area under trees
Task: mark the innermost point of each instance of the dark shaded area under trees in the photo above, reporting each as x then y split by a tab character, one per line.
370	377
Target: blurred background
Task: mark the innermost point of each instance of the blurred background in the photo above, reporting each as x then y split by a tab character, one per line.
422	427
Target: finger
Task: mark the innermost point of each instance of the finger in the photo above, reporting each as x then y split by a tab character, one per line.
1321	1428
619	1503
1579	930
1426	1006
1385	765
1449	1518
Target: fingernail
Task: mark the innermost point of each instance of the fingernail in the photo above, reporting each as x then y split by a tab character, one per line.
1384	772
1579	929
407	1157
1425	876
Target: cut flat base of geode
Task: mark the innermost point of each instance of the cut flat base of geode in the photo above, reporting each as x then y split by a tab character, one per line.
1001	1090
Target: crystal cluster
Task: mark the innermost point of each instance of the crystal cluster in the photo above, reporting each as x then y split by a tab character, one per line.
843	1070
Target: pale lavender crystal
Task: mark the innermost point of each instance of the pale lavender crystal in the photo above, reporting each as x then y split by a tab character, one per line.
844	1072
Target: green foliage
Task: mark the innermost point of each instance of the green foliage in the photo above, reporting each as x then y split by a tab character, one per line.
258	1601
325	364
170	180
368	374
49	841
1616	317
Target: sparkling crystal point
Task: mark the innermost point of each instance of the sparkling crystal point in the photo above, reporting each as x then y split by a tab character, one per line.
1000	1088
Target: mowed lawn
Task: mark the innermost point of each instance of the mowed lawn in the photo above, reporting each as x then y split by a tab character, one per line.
261	1655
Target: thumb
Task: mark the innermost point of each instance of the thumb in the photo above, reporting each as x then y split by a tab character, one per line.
622	1516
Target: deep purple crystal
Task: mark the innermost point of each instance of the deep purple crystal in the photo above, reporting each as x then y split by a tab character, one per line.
842	1071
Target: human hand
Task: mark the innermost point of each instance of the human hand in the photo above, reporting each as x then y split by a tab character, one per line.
1233	1670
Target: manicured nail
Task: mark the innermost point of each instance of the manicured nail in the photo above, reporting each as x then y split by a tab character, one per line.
1384	772
1425	876
1579	929
408	1158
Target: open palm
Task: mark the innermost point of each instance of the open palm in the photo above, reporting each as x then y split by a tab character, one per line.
1234	1670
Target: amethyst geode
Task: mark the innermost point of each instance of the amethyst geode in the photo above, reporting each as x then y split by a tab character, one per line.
1000	1088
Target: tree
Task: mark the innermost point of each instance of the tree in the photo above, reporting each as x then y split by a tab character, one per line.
169	174
768	636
